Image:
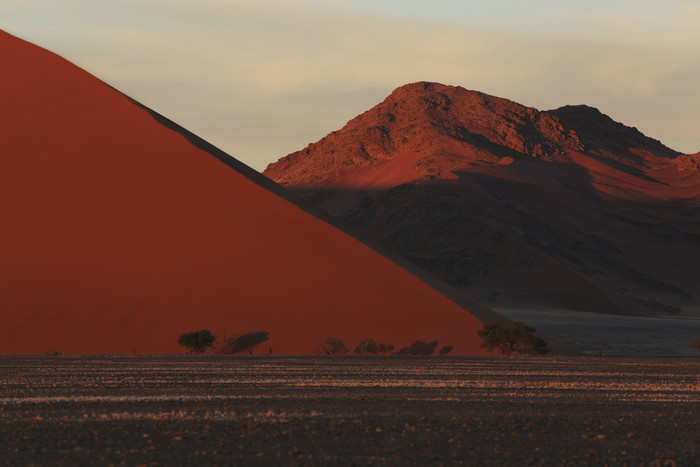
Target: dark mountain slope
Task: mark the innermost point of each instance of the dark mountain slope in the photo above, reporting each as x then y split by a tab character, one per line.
565	209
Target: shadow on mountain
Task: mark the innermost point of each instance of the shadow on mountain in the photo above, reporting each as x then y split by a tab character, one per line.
549	240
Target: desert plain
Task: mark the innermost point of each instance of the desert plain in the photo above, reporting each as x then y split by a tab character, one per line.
347	410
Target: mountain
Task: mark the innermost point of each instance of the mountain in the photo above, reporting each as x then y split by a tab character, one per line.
122	230
563	209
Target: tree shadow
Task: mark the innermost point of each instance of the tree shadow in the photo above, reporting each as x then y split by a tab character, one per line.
419	348
243	342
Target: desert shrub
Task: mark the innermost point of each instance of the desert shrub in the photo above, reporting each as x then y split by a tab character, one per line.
535	346
445	350
695	344
525	341
494	336
367	346
243	342
197	341
52	353
519	338
419	348
332	346
370	346
335	346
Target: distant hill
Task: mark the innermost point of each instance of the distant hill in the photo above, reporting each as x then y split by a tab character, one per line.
121	231
562	209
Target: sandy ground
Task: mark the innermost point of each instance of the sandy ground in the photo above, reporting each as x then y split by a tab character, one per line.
217	410
593	333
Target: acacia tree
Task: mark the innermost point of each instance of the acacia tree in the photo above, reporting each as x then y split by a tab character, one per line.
332	346
519	338
197	341
494	336
370	346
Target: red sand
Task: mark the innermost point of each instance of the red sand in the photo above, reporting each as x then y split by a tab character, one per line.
119	235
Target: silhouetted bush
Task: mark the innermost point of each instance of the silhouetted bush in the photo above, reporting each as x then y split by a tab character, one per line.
494	336
369	346
519	338
695	344
445	350
52	353
243	342
332	346
419	348
197	341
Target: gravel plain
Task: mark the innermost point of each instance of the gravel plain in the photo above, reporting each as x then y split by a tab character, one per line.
284	410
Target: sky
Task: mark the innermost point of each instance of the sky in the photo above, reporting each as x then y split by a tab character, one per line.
263	78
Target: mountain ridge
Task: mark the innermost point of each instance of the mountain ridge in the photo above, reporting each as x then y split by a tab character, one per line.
507	128
505	200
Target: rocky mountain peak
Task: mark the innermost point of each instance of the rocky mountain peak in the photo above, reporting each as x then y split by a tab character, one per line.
440	121
599	132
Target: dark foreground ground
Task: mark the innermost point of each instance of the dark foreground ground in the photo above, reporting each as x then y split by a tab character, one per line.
217	410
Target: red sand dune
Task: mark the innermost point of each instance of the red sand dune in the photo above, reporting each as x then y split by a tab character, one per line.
564	208
120	233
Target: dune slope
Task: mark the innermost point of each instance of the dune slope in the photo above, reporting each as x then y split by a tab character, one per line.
120	233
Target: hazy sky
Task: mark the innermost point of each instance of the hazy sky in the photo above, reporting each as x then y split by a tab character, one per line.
261	79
